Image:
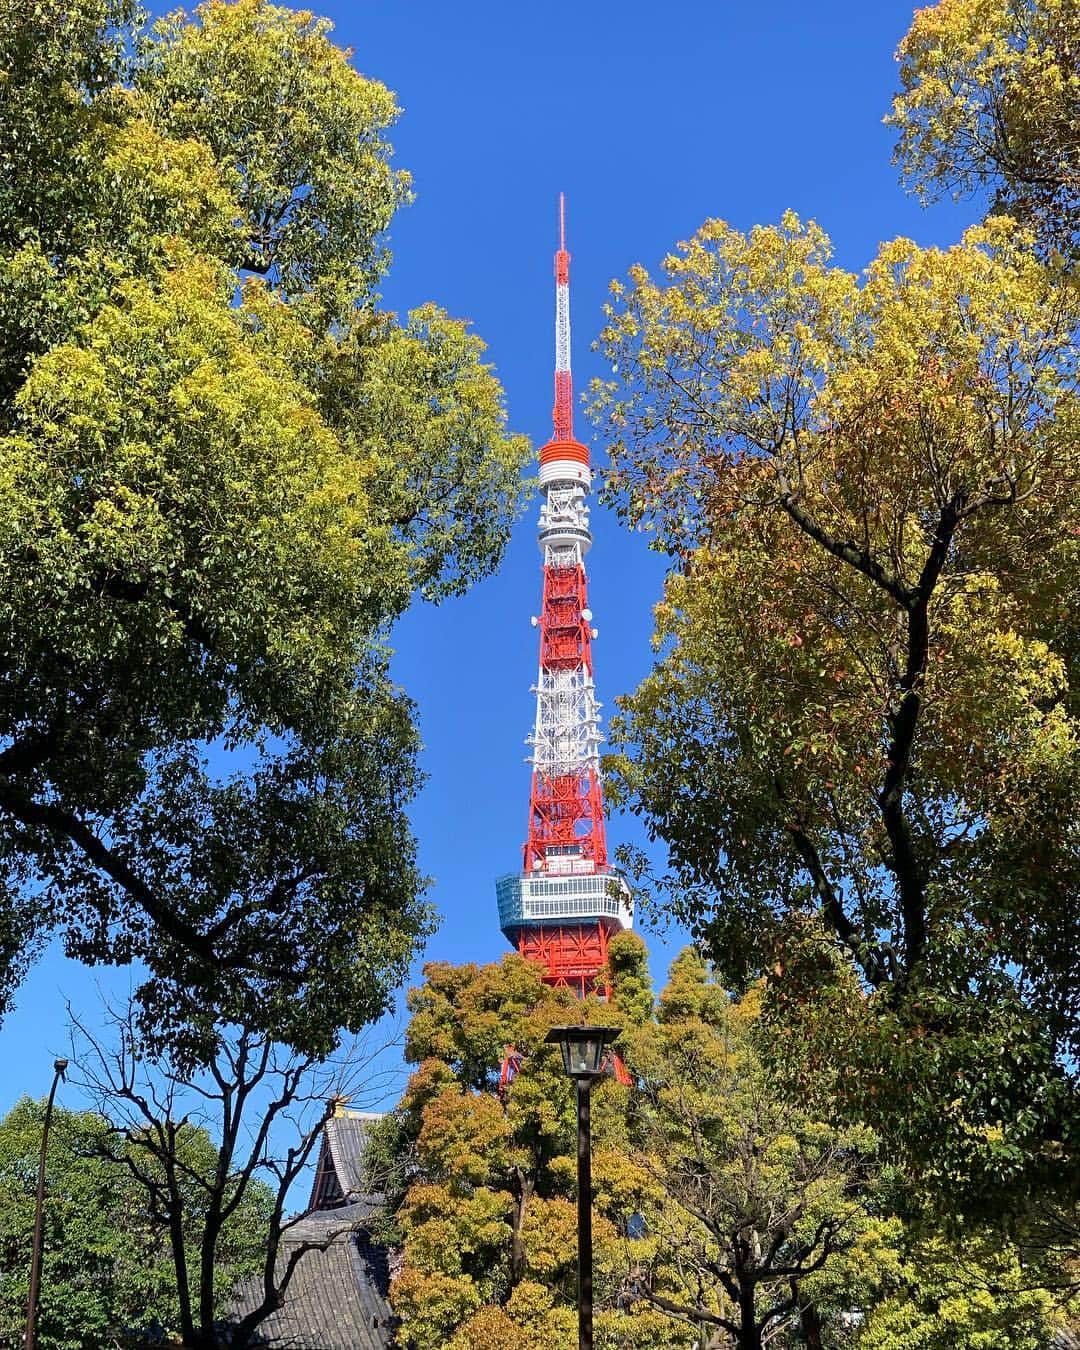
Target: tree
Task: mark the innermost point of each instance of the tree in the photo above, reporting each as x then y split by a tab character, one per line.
108	1273
969	1292
481	1188
730	1208
784	1229
872	468
757	1203
214	1160
226	472
990	103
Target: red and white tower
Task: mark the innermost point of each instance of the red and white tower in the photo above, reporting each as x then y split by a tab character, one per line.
563	906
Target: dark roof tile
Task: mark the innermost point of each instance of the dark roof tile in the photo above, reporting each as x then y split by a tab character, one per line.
337	1298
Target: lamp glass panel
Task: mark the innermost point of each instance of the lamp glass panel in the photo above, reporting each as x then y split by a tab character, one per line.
584	1055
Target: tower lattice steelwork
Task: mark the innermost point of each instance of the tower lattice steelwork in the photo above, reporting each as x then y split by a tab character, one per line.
563	906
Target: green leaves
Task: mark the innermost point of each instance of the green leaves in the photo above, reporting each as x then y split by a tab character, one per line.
482	1177
882	471
108	1269
299	132
728	1180
225	474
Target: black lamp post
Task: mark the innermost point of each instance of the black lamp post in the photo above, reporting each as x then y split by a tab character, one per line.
583	1058
59	1067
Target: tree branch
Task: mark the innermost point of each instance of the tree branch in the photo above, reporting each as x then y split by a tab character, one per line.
68	825
902	722
860	559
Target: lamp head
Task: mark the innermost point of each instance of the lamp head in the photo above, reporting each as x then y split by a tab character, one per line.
60	1066
583	1048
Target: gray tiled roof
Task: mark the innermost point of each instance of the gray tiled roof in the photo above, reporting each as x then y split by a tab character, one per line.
347	1137
337	1298
339	1175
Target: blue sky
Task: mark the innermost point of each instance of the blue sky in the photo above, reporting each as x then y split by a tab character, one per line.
651	120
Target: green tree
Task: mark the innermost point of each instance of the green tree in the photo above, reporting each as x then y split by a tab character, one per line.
969	1293
872	468
216	1149
482	1186
225	473
108	1270
764	1219
733	1203
628	971
990	103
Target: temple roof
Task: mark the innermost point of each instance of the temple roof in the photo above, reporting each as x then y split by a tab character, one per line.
338	1298
339	1174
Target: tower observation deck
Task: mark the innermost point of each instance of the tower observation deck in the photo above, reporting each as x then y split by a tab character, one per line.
566	902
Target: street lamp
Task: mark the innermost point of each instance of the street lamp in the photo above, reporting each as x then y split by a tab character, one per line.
583	1058
59	1067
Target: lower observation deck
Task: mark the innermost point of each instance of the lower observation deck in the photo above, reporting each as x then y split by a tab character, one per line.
529	900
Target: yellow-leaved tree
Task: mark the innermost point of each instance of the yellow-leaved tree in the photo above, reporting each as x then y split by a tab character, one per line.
225	472
727	1211
990	104
865	703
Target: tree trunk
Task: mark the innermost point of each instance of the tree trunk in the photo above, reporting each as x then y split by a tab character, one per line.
207	1272
749	1331
183	1284
517	1245
811	1326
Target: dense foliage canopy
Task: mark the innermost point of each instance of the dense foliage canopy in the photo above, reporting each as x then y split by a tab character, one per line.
727	1212
990	103
883	470
870	793
108	1270
224	473
481	1188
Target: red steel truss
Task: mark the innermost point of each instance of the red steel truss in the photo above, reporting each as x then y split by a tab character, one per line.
574	956
566	812
565	635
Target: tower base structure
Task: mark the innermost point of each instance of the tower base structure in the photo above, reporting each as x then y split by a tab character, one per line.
573	956
563	923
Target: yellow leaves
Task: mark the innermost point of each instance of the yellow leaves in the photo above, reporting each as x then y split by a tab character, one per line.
302	140
879	402
445	1229
171	187
464	1136
988	100
68	394
429	1080
995	697
550	1233
123	529
492	1326
623	1186
431	1304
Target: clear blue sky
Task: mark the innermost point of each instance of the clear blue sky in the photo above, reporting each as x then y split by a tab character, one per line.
650	124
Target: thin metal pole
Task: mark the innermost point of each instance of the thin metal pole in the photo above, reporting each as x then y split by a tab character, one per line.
584	1215
39	1212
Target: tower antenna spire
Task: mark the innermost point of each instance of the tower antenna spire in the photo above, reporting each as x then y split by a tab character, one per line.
563	415
563	906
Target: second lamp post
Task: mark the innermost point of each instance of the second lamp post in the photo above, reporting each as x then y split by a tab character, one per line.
583	1059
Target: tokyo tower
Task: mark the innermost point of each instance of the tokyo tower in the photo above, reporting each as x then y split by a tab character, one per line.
563	906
